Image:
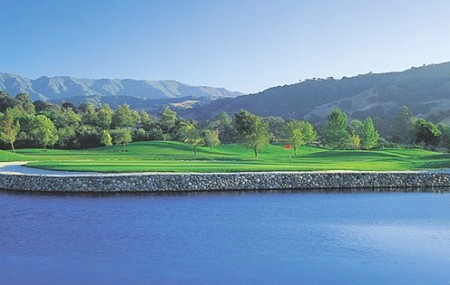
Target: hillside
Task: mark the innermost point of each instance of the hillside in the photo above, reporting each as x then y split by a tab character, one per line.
426	90
65	87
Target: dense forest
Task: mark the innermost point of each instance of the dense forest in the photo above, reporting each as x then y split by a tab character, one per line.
25	123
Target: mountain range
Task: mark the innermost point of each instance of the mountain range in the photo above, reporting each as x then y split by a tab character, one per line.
66	87
425	90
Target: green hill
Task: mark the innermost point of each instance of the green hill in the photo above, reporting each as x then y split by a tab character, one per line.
426	90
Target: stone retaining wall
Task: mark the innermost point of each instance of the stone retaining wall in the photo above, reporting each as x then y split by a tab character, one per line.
224	181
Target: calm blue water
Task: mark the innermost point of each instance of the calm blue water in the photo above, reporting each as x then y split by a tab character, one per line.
228	238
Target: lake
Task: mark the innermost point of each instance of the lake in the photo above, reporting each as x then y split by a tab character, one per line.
225	238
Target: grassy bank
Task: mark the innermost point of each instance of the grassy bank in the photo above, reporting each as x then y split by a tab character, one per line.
178	157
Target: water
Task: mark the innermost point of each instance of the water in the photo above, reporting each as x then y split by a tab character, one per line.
228	238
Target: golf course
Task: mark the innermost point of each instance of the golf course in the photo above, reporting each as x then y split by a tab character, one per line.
168	156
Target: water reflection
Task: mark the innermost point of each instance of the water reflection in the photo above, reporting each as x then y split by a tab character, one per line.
231	192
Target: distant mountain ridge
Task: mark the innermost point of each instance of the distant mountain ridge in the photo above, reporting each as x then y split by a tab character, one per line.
426	90
65	87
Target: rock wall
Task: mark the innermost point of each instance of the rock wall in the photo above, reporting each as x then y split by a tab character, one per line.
225	181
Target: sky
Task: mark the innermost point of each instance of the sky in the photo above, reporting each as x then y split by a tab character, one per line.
241	45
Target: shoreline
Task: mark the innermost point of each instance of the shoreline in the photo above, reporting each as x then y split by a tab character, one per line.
72	182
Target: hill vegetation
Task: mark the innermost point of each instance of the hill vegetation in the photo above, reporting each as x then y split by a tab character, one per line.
425	90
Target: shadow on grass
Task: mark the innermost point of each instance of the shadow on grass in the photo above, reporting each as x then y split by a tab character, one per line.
356	154
433	165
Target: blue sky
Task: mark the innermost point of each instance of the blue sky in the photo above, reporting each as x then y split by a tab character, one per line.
243	45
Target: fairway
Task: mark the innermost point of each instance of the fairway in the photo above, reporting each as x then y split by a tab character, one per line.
163	156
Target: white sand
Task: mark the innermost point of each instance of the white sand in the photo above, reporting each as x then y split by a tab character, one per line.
19	168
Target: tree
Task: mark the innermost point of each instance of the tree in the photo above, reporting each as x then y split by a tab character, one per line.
44	106
47	109
67	105
9	130
90	115
124	117
224	124
191	135
369	135
444	139
82	107
211	138
167	121
140	135
24	101
105	138
87	136
336	130
105	114
426	132
6	101
309	134
356	127
403	126
67	118
354	142
366	132
294	135
252	131
146	121
27	124
67	124
44	131
156	133
66	137
276	125
122	136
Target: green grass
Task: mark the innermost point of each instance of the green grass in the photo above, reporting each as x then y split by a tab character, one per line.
160	156
9	156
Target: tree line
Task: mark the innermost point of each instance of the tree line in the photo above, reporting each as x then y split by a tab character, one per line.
25	123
